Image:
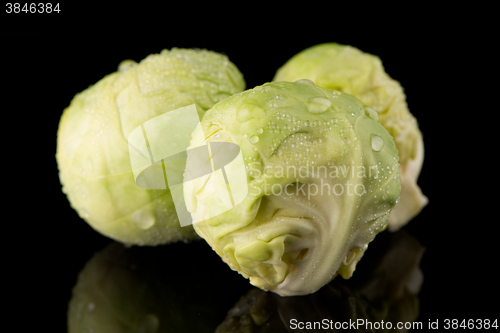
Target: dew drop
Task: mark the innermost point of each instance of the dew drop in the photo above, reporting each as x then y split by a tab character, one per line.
249	111
377	142
306	81
90	307
254	139
349	257
318	104
259	131
372	113
143	220
150	324
126	64
84	213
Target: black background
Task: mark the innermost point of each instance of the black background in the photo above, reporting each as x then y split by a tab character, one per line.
436	55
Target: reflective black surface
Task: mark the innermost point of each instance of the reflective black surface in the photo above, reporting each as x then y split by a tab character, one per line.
185	288
47	247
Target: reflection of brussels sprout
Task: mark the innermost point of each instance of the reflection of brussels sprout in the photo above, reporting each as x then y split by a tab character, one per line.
322	175
144	289
349	70
92	149
385	292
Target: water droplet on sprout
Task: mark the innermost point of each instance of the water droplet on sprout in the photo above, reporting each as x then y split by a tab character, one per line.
143	220
306	81
318	104
377	142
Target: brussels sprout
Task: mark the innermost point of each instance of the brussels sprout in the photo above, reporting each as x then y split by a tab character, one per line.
322	176
92	148
349	70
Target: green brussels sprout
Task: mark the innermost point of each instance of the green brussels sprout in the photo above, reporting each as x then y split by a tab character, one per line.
347	69
322	176
92	149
